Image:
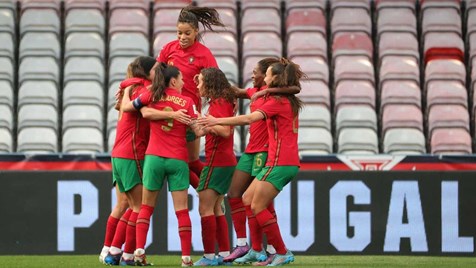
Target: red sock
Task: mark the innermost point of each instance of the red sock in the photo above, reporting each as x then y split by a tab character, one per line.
209	229
110	230
185	231
256	233
142	225
238	216
130	245
223	238
120	235
194	179
271	229
272	211
196	166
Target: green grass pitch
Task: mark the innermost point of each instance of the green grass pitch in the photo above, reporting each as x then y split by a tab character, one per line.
301	261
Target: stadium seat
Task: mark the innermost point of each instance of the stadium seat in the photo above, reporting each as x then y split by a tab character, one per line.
441	20
315	91
161	39
84	4
392	4
236	141
118	68
84	45
315	115
314	141
6	70
83	141
170	4
398	44
221	44
314	67
455	4
335	4
356	116
451	141
82	116
38	92
399	68
357	141
111	99
218	4
128	20
306	20
447	116
401	116
83	92
445	69
398	141
228	17
85	20
37	140
112	117
308	4
400	92
7	46
396	20
351	20
111	138
229	68
40	44
129	4
37	115
7	21
41	4
307	44
128	44
8	4
261	20
443	45
40	20
446	92
6	120
352	44
6	141
6	94
38	68
260	4
262	44
84	68
351	92
353	68
165	20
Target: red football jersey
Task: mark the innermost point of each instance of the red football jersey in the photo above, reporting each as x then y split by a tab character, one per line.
219	150
132	132
258	130
167	138
282	132
190	61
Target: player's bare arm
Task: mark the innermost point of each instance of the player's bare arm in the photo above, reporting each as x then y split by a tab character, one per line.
279	90
154	114
240	120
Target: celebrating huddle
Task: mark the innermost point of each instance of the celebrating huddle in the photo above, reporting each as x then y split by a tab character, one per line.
159	127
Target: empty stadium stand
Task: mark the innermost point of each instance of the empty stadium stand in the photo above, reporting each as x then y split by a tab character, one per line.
383	76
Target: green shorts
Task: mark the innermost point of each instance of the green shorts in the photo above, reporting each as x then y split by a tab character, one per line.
252	163
216	178
190	135
157	169
278	176
127	173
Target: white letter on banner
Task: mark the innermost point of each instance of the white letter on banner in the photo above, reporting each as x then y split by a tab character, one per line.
405	194
305	216
173	239
339	221
67	220
150	236
450	239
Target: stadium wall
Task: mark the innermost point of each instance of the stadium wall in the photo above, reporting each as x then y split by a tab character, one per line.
60	205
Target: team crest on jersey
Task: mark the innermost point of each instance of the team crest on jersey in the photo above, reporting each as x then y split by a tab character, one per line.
191	60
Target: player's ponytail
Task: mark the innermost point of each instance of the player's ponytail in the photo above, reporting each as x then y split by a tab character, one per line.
288	74
207	16
158	85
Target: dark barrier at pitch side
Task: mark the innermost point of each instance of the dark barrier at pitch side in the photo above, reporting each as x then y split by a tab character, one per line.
410	213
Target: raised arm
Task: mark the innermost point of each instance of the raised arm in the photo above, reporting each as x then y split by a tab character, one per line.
126	105
278	90
240	92
239	120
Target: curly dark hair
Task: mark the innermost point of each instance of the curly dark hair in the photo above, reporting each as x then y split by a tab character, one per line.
216	85
205	15
288	74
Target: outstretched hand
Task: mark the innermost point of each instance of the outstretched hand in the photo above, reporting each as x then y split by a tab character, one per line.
182	116
257	95
208	121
